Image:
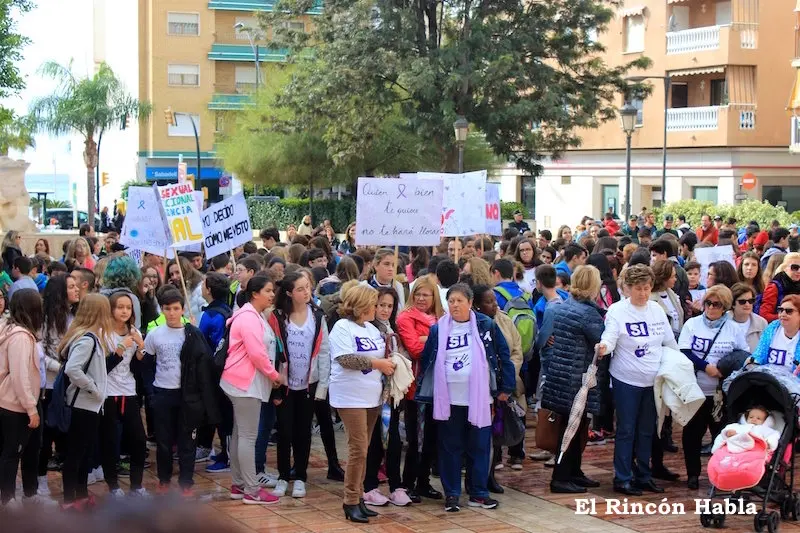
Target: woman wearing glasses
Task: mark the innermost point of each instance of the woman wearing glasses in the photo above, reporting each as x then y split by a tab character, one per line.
705	339
778	344
786	281
749	323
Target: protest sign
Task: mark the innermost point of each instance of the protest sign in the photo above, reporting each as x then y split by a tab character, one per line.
464	206
226	225
706	256
494	224
143	228
136	255
402	212
182	218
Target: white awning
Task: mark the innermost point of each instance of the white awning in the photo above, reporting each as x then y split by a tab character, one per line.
632	11
695	71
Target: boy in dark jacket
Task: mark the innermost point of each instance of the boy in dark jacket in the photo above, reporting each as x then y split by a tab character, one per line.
178	376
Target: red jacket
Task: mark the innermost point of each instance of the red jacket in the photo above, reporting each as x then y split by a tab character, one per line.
611	226
769	302
712	235
411	325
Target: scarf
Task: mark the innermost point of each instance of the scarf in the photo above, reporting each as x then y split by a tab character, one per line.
479	414
789	286
714	324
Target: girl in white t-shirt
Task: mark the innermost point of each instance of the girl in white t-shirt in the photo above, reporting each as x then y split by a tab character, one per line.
778	345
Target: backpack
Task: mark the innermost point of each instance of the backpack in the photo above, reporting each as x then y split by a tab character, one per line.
59	413
779	285
519	310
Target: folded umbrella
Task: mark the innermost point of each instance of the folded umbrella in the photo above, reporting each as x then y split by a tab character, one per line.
588	380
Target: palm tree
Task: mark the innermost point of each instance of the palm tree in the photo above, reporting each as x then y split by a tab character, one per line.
86	106
16	133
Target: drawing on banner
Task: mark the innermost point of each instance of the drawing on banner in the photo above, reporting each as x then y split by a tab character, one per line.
144	230
706	256
464	202
226	225
179	208
494	224
402	211
136	255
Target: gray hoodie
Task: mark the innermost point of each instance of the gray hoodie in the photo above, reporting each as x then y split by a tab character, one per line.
137	307
90	385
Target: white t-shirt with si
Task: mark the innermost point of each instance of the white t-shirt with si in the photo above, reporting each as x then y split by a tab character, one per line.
782	350
355	388
697	337
458	363
165	344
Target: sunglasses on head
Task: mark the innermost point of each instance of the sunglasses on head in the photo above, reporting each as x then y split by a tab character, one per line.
744	301
795	267
712	304
788	310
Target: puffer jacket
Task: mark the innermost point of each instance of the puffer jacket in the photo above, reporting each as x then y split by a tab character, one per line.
580	326
411	325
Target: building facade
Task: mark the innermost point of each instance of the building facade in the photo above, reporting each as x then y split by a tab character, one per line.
198	58
722	67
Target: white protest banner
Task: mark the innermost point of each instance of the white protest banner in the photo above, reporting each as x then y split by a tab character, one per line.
464	207
403	211
706	256
494	224
143	228
226	225
136	255
179	208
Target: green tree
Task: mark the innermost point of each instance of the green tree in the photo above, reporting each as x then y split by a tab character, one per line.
11	44
86	106
526	75
16	133
131	183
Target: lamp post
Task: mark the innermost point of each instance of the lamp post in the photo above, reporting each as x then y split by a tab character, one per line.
170	118
249	31
461	128
667	84
628	115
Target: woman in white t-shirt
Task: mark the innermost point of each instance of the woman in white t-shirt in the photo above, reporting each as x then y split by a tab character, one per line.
778	345
636	330
750	323
706	339
526	255
663	281
358	363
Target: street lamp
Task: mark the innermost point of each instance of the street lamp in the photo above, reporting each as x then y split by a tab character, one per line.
639	79
628	114
239	26
171	118
461	127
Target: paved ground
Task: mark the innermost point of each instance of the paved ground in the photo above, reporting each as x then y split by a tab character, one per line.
527	504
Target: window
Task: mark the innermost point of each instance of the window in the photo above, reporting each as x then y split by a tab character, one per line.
638	103
250	23
246	79
294	25
719	93
183	23
786	195
634	34
566	180
610	199
705	194
528	196
795	131
591	35
184	126
186	75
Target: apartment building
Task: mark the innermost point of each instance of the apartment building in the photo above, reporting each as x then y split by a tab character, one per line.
723	69
198	57
794	98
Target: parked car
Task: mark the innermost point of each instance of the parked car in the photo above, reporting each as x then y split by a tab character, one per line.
65	218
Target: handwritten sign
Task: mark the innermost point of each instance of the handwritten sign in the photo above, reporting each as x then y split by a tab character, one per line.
182	218
226	225
402	211
706	256
464	207
143	229
494	225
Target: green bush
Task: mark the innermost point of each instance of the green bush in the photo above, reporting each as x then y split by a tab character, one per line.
762	212
292	210
507	210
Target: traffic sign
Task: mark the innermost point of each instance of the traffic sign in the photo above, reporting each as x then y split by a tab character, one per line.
749	181
224	181
740	197
181	172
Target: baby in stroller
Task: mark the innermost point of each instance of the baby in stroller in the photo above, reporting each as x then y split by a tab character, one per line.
756	423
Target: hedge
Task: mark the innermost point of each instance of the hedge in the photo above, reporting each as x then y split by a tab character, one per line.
762	212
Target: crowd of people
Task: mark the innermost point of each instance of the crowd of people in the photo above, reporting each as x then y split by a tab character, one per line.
412	350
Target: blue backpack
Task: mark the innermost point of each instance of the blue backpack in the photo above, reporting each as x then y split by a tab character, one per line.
59	412
779	285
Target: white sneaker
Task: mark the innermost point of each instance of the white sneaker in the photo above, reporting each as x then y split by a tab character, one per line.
43	489
140	493
37	499
202	454
98	473
280	488
267	480
90	479
299	489
12	505
117	494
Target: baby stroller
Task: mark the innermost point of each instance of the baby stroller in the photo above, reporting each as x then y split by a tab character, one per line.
777	482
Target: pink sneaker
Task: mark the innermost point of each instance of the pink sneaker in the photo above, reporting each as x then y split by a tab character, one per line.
374	497
262	497
237	492
399	498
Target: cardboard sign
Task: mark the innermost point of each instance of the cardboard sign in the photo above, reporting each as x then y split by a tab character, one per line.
143	228
494	223
404	211
464	207
226	225
706	256
181	216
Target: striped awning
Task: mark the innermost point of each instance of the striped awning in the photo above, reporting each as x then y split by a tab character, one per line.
794	99
695	71
632	11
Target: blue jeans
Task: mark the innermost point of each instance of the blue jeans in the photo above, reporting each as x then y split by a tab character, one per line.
265	424
457	436
636	423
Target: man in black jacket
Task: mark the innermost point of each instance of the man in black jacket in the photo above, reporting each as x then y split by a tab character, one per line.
520	225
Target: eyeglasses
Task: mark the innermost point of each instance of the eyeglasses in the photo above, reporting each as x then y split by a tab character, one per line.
788	310
795	267
745	301
713	305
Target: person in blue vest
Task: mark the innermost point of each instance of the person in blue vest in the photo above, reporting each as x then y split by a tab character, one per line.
505	286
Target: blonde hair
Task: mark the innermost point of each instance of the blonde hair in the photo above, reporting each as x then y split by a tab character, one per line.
585	283
627	252
357	302
636	274
100	269
279	251
479	270
10	240
773	267
93	316
73	244
787	261
427	282
723	293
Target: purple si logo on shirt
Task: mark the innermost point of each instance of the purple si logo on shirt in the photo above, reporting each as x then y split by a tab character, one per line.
457	341
776	357
637	329
365	344
700	345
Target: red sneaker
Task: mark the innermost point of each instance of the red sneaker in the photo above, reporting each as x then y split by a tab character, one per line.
162	489
187	493
237	492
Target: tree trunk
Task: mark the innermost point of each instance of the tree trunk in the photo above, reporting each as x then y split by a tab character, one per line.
90	159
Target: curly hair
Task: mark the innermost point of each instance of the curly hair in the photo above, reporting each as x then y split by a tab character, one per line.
122	271
636	274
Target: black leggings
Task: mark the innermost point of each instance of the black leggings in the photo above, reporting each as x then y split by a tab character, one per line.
81	439
294	432
122	411
15	437
375	453
417	468
322	410
50	436
693	434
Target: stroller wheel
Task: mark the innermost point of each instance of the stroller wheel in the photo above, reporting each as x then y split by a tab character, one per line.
719	521
773	522
706	519
786	507
795	508
759	521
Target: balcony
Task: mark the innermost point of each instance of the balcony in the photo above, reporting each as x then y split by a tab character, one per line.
707	118
256	5
229	102
694	40
711	45
243	52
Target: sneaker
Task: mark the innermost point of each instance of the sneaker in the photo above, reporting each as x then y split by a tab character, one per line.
237	492
399	498
515	463
374	497
315	429
218	467
90	479
266	480
124	469
299	489
451	504
262	497
608	435
187	493
53	466
202	454
541	455
550	463
498	466
338	426
162	488
280	488
98	474
595	438
43	489
117	494
140	493
12	505
151	443
483	503
42	501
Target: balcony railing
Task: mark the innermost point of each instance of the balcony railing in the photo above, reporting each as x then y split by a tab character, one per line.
693	118
245	87
747	119
694	40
